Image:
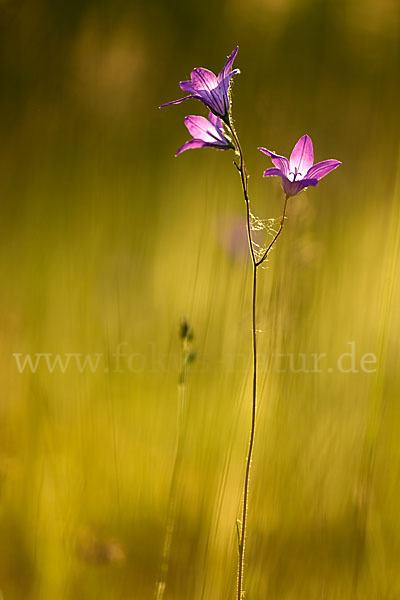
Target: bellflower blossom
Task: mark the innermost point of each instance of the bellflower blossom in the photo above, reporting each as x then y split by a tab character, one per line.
210	89
299	172
206	133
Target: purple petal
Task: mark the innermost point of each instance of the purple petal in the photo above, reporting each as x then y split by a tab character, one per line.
203	79
228	65
273	172
281	162
207	88
292	188
216	121
302	156
176	101
201	129
319	170
223	87
308	182
187	86
225	76
192	144
231	74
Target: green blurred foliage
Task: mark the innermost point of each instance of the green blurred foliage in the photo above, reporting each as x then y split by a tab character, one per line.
106	239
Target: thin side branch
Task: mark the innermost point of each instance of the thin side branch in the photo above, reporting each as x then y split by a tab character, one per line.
278	233
241	532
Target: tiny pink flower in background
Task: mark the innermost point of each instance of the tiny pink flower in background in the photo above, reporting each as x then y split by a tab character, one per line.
206	133
232	236
209	88
299	172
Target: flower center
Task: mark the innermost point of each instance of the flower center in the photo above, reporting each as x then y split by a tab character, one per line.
294	174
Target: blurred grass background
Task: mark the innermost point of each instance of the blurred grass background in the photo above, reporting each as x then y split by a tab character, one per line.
106	239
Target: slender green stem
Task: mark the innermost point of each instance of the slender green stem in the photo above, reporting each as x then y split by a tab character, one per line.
255	263
245	186
251	443
242	538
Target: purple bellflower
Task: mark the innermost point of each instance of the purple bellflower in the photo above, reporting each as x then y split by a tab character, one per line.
299	172
210	89
206	133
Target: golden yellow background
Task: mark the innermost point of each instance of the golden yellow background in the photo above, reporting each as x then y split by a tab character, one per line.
107	239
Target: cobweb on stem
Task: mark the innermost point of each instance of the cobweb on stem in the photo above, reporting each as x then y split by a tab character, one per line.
269	226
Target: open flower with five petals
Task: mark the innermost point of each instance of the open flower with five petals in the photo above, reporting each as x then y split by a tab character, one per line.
206	133
299	172
211	89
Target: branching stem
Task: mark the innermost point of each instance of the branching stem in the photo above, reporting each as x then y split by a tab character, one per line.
255	264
